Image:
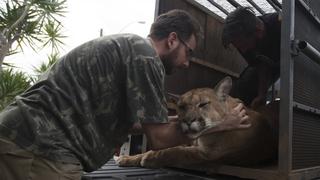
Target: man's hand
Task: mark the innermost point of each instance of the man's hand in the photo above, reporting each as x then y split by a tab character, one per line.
258	101
237	119
173	118
136	129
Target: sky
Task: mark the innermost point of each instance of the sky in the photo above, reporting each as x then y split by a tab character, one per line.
83	21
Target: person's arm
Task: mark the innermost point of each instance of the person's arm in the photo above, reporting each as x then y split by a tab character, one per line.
164	135
265	78
169	134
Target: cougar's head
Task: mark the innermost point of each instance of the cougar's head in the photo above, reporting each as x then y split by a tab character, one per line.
203	108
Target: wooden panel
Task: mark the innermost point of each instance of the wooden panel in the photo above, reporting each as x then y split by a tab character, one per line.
216	53
194	77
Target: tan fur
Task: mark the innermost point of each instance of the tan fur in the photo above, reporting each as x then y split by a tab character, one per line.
202	109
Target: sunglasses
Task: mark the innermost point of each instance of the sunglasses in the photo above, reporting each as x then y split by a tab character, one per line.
190	51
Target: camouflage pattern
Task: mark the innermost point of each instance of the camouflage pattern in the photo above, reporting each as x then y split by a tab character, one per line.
82	108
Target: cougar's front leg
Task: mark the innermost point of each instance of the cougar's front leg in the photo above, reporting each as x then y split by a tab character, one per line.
180	155
126	161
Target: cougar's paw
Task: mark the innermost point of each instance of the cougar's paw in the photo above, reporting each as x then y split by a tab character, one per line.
126	161
121	160
116	159
150	160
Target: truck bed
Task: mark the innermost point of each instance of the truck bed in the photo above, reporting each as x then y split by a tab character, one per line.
111	171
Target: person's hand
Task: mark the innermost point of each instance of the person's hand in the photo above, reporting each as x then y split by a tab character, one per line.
237	119
136	129
258	101
173	118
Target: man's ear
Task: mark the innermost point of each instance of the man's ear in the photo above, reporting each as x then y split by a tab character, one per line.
223	88
172	40
172	101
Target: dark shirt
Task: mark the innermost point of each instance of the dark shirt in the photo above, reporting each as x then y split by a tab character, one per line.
82	108
269	46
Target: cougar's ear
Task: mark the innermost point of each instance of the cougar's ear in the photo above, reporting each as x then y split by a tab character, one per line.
223	88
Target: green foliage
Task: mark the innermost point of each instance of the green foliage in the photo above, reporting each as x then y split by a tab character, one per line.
31	22
53	35
12	84
52	58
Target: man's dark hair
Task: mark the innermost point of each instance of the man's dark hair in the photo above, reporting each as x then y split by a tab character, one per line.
239	23
178	21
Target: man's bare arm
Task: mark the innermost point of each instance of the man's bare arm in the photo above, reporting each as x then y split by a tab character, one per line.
169	134
164	135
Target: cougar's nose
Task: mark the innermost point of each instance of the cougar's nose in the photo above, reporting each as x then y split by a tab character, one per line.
190	121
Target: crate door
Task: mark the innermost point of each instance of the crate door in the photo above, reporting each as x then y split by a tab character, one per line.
299	139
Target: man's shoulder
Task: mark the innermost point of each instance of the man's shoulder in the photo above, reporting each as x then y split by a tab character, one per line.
116	39
132	38
140	45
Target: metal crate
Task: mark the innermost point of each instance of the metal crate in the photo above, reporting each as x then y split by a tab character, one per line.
299	126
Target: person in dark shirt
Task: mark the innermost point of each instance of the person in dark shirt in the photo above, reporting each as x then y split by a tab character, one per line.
73	119
257	39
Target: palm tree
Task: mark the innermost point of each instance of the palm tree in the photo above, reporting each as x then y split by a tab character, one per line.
11	84
29	22
52	58
14	83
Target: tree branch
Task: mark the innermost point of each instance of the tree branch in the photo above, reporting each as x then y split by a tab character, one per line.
21	18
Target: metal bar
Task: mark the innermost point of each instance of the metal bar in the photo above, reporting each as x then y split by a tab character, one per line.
286	89
205	10
277	3
234	3
219	7
309	51
256	6
306	108
274	6
101	32
309	11
156	10
272	92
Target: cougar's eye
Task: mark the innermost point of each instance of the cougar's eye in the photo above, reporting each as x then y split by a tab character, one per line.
203	104
182	107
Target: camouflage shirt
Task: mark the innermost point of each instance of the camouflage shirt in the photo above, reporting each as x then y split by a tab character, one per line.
84	105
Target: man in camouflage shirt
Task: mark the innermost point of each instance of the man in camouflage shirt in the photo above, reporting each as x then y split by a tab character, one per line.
83	107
